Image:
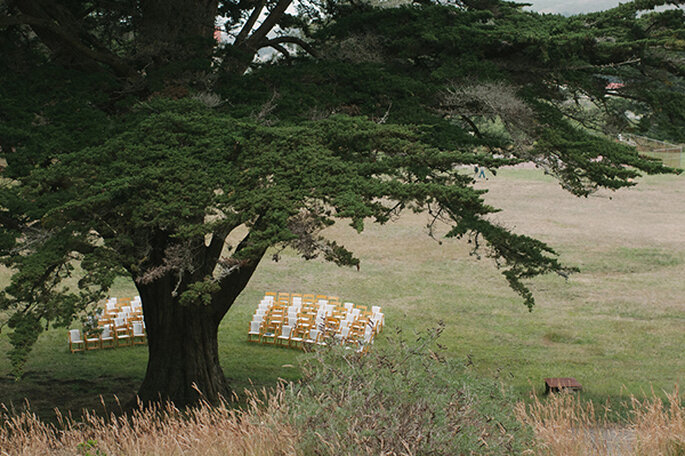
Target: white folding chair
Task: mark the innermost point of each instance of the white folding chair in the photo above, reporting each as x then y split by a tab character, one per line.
122	333
106	337
312	337
138	337
344	331
76	342
254	332
284	337
92	341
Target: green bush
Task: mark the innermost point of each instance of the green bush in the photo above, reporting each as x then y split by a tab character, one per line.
402	398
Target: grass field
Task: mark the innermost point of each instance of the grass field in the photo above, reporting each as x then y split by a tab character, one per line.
618	326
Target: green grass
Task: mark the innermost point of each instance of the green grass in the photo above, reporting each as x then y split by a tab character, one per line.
617	326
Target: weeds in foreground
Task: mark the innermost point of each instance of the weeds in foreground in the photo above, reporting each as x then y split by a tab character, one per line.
563	425
261	429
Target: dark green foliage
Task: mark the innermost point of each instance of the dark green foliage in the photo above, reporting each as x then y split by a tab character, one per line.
402	398
135	147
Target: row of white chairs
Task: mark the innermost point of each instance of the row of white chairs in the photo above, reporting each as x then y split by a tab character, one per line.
119	324
108	337
297	323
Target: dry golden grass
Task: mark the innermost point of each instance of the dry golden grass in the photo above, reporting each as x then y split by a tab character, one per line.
259	430
564	426
659	430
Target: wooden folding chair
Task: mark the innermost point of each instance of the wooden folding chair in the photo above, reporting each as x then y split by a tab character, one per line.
122	332
297	336
255	332
76	342
272	329
92	341
138	336
284	336
106	337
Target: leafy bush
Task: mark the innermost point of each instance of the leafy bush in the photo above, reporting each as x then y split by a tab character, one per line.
403	398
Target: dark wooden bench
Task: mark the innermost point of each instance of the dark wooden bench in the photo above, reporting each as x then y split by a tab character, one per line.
557	384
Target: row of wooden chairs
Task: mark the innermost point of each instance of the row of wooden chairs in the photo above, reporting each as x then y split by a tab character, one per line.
120	324
131	334
286	319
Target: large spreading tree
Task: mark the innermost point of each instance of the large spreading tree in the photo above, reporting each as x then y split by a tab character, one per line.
135	144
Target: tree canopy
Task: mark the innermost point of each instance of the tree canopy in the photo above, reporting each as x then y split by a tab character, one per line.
135	143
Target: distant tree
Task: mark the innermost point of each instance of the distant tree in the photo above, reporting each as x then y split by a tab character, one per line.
135	144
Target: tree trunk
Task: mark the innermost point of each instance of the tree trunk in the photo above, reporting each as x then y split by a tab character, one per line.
183	364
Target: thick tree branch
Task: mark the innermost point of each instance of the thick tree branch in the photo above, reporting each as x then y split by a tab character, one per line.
247	28
292	39
120	67
280	49
215	247
232	283
269	23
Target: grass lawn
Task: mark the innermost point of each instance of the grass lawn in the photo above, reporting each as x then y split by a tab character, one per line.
618	326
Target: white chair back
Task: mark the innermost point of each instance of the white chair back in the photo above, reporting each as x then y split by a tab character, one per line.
138	328
75	336
375	309
285	331
367	337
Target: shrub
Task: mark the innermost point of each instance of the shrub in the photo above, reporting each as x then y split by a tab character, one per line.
400	399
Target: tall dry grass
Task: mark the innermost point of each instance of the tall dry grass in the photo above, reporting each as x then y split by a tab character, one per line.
260	429
564	426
